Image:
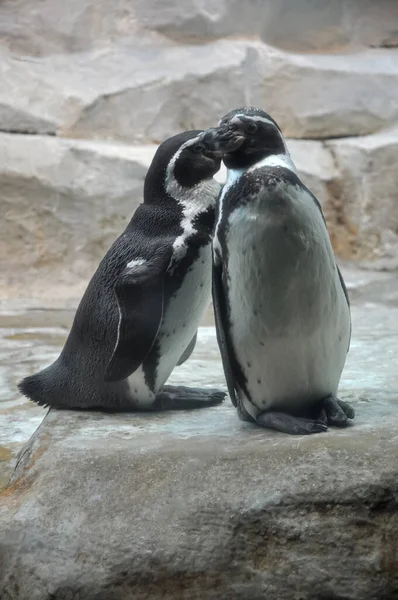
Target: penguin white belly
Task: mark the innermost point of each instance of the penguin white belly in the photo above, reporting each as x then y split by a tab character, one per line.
183	315
180	322
290	319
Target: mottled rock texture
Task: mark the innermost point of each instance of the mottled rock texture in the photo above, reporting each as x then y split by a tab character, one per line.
202	506
139	71
64	201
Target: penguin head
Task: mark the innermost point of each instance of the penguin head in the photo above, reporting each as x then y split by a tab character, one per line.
245	136
183	161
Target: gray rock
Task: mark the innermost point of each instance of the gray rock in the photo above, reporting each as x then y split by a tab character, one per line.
293	25
316	167
147	94
303	25
77	25
321	96
123	92
63	203
203	506
200	505
363	198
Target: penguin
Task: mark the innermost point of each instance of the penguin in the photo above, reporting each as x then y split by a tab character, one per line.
281	305
140	313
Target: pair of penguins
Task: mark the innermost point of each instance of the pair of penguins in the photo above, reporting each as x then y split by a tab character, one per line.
259	246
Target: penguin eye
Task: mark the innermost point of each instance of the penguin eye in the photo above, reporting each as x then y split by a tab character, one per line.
197	148
251	128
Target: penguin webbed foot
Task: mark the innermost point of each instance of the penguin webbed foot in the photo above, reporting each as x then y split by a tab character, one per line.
286	423
185	398
337	412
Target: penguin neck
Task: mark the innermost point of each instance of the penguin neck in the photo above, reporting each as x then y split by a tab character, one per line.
155	193
270	160
196	198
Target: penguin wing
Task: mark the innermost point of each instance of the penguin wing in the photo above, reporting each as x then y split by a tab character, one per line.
220	315
140	298
188	350
344	287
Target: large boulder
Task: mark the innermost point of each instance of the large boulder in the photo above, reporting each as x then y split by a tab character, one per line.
63	203
52	27
295	25
200	505
49	26
363	201
123	92
146	94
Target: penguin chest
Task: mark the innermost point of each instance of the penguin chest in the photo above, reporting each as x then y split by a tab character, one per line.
183	314
289	316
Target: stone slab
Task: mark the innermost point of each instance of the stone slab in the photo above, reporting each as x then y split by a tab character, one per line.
200	505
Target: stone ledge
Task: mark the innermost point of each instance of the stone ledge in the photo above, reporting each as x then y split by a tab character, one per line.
202	506
145	94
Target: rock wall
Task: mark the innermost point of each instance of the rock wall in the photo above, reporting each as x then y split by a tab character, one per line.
132	73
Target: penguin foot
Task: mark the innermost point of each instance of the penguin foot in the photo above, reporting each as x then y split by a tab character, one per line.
337	411
289	424
184	398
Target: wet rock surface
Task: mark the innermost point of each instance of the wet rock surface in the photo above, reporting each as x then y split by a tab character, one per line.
201	505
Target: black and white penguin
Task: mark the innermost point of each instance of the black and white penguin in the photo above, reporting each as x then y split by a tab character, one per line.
140	313
281	305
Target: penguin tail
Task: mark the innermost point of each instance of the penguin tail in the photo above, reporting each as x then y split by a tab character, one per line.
38	387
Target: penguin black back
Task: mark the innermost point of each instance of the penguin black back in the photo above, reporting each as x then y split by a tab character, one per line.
144	250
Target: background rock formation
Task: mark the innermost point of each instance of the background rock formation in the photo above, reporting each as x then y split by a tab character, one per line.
131	73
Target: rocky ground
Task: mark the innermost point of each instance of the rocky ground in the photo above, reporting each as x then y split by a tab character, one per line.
200	505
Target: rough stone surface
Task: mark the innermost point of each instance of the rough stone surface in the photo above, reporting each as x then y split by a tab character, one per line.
308	25
63	204
364	198
204	507
142	94
200	505
65	201
122	92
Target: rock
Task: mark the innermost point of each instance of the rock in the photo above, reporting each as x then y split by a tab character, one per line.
315	166
75	26
200	505
321	96
363	202
295	26
122	92
303	26
63	203
129	92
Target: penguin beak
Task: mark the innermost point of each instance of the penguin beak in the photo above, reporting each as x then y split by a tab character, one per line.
221	140
211	141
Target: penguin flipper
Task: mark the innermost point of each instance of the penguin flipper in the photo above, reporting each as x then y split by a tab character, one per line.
139	293
188	350
344	287
219	307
